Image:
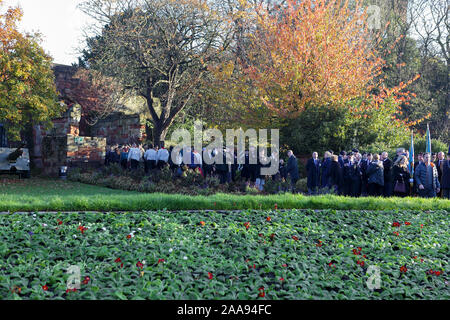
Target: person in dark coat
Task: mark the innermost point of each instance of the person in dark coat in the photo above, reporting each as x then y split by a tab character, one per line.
336	175
439	166
313	173
115	156
364	165
245	172
401	174
292	170
387	165
354	177
445	185
342	158
326	167
375	174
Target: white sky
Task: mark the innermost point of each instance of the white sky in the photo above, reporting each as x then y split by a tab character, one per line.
59	21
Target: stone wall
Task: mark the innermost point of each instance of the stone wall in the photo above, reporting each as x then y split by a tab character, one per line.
70	150
120	129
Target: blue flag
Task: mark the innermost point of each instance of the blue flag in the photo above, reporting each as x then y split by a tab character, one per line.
411	155
428	140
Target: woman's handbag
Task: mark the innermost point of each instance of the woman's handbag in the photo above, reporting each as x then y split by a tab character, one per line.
400	187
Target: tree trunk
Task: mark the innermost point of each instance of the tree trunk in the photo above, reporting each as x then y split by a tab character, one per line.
159	132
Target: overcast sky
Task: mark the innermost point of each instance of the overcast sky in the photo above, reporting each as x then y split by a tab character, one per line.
60	23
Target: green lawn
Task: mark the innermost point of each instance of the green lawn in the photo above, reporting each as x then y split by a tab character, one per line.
55	195
295	254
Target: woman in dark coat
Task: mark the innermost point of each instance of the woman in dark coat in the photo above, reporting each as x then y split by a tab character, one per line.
336	175
375	172
400	175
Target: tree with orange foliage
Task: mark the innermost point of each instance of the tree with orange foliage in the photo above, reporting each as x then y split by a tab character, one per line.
306	54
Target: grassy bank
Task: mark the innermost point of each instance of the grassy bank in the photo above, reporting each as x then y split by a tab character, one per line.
55	195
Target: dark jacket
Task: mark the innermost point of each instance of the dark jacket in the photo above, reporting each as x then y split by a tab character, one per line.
114	157
420	175
401	175
353	171
292	168
446	175
375	173
387	166
336	174
313	173
326	167
439	168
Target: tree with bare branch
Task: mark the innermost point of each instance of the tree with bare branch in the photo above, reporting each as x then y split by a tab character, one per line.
158	49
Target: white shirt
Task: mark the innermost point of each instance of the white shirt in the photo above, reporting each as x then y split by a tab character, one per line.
151	154
163	155
197	158
134	154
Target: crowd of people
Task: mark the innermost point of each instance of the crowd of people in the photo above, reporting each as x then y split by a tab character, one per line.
352	174
358	174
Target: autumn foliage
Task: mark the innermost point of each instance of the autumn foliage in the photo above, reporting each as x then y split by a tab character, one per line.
306	54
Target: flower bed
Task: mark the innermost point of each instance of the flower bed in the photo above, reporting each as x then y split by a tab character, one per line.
297	254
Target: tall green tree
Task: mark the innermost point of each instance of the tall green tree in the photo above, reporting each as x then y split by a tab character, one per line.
27	90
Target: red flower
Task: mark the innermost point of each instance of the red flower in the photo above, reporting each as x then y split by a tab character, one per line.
272	236
118	260
319	244
421	226
268	218
295	238
438	273
284	265
210	275
364	256
421	260
407	223
202	223
139	265
247	225
331	265
262	293
71	290
121	265
276	206
362	264
260	235
415	257
160	261
86	280
396	233
359	249
355	252
281	279
45	288
129	236
396	224
403	269
59	222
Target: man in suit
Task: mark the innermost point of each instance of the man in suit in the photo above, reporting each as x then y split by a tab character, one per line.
292	169
387	165
313	171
